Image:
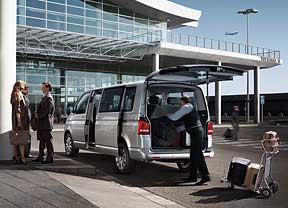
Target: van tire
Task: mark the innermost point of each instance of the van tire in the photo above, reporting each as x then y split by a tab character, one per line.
70	149
123	163
183	166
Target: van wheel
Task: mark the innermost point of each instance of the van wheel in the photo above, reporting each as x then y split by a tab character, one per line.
183	166
123	162
70	149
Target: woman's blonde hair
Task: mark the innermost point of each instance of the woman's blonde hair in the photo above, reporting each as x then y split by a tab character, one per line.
16	94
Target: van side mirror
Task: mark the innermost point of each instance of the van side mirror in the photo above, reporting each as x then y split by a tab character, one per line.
69	109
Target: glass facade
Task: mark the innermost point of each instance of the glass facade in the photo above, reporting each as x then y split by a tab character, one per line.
70	78
90	17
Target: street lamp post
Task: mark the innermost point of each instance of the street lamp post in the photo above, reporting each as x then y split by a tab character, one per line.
247	12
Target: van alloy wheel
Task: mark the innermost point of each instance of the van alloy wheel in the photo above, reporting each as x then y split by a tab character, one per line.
70	150
183	165
123	162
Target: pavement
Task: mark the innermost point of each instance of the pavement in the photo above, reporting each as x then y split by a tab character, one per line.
70	183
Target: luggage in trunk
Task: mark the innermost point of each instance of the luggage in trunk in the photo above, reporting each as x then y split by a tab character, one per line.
237	170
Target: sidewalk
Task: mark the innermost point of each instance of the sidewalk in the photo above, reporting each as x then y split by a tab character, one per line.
68	183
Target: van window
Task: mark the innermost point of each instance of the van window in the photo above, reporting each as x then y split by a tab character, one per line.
129	99
82	104
111	100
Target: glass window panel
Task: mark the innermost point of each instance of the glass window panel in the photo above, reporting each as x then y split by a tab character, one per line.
93	22
56	25
154	25
82	104
110	33
75	28
110	16
56	16
93	5
75	20
78	3
21	2
110	25
36	4
35	22
93	14
141	22
20	10
58	1
56	7
128	36
127	28
75	10
35	79
35	13
110	8
94	31
127	20
110	101
141	30
21	20
108	79
126	12
129	99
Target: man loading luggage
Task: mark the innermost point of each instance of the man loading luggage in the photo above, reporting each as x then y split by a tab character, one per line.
188	115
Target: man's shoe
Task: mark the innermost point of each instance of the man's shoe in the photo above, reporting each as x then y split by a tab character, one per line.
38	160
29	156
190	179
203	180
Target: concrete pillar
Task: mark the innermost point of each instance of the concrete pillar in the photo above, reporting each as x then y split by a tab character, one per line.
257	95
156	63
7	72
218	100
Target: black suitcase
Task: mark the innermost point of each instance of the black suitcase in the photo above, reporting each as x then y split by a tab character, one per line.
228	134
237	170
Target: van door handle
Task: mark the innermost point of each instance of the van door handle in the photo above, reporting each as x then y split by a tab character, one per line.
99	116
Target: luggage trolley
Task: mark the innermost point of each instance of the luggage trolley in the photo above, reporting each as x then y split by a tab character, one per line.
264	183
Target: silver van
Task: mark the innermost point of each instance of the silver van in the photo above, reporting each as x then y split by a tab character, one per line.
123	120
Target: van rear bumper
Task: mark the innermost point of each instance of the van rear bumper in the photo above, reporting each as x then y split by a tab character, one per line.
142	155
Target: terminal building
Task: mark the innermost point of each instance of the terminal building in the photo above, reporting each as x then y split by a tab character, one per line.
78	45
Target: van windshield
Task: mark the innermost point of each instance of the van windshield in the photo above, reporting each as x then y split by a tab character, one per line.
165	99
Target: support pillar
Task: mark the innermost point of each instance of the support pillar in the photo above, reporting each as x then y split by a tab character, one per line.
218	101
257	95
7	72
156	62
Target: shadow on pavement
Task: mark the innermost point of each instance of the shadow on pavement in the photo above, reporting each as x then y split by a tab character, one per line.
222	194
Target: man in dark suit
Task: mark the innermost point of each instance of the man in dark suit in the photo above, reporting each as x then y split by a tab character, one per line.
188	115
45	115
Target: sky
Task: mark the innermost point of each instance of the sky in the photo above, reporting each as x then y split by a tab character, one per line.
268	29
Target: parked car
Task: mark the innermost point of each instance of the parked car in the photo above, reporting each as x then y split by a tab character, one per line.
122	120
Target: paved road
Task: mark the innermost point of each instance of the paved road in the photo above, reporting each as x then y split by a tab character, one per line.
165	180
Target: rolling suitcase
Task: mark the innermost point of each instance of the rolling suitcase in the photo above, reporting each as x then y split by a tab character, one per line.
237	170
251	175
228	134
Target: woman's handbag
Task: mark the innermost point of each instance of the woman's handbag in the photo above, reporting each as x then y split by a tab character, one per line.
34	122
20	137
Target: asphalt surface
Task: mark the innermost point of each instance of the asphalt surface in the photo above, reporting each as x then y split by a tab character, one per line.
164	179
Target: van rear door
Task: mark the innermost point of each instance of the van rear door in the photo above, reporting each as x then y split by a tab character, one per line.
195	74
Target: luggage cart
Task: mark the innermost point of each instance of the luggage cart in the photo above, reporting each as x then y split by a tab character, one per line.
264	183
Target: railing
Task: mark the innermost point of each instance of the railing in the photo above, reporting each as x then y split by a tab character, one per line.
208	43
203	42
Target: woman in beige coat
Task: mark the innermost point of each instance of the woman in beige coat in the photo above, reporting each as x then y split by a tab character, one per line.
20	117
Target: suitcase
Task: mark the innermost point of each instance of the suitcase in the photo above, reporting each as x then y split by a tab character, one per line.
251	175
237	170
228	134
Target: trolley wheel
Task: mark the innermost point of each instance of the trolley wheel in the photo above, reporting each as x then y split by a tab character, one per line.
265	193
274	186
230	186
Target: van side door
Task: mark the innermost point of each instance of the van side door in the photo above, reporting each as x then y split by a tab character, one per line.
79	118
106	128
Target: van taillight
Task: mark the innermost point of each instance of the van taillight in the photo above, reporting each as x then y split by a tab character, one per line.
143	127
210	128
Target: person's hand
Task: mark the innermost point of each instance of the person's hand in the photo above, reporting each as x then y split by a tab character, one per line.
36	115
